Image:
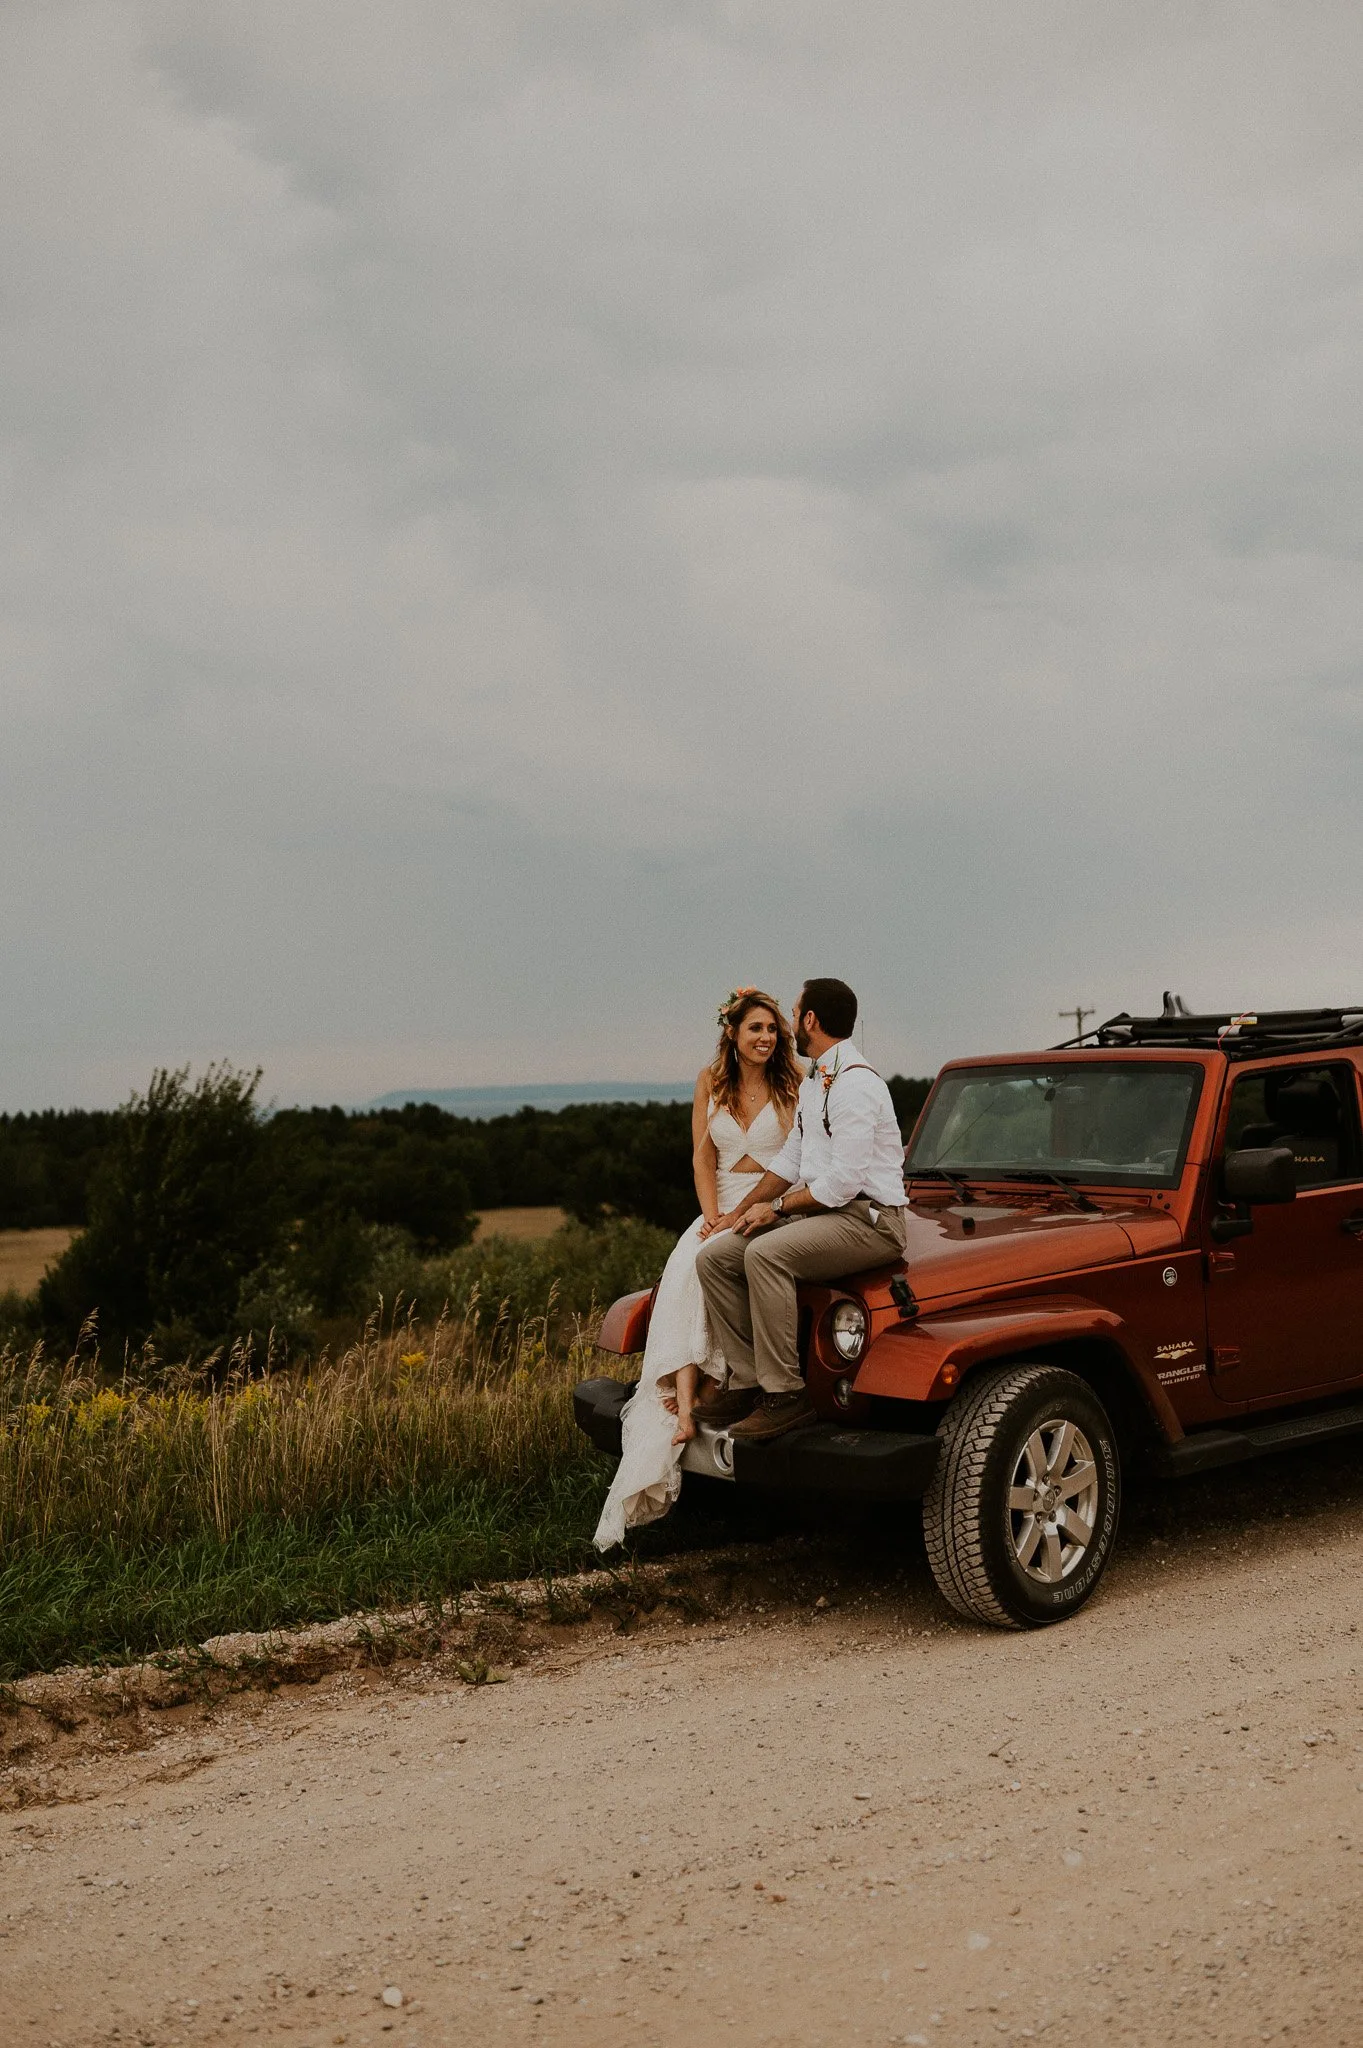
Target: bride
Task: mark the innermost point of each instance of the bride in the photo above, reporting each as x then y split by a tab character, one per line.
744	1107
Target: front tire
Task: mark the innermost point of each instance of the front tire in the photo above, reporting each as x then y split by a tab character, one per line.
1021	1515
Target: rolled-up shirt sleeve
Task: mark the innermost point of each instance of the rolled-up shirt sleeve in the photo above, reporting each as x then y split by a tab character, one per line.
848	1168
786	1164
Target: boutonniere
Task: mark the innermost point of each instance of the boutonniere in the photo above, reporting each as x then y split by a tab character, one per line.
828	1075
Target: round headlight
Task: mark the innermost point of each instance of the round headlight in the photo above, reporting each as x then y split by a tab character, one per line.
847	1327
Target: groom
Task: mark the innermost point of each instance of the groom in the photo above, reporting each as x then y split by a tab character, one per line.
831	1203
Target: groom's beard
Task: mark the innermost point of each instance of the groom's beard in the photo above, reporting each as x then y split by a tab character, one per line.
802	1042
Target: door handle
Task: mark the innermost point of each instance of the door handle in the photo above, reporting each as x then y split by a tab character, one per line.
1354	1224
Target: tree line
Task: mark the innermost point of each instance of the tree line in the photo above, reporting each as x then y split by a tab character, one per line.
193	1204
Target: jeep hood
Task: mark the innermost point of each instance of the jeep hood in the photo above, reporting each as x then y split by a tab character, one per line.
957	1250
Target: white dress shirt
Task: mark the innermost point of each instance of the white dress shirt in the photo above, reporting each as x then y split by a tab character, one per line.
862	1152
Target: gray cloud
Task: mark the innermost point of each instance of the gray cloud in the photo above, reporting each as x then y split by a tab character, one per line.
516	518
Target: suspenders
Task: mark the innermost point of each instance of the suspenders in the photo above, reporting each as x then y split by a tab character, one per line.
828	1090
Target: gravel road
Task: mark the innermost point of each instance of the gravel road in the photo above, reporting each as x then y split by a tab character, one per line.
858	1822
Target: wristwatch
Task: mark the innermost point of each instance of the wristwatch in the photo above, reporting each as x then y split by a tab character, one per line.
776	1205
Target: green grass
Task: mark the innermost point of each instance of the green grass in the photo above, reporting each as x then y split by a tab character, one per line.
69	1601
146	1514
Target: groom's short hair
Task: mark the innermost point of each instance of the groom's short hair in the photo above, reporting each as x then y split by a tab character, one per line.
833	1004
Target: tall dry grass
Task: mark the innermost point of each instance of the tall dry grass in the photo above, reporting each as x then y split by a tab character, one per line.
165	1506
402	1413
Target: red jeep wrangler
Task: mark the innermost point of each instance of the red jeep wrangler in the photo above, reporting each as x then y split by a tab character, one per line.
1145	1246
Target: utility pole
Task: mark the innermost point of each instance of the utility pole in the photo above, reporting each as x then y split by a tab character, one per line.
1079	1013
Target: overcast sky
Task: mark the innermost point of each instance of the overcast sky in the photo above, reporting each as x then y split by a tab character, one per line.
517	517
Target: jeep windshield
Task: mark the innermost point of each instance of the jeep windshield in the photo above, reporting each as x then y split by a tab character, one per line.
1120	1123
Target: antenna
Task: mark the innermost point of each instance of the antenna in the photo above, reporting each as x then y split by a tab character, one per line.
1079	1012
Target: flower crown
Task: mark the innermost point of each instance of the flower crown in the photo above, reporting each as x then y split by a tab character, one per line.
735	995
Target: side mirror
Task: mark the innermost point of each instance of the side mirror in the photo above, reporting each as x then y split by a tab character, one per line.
1261	1173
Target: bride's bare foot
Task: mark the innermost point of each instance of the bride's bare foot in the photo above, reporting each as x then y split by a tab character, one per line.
686	1427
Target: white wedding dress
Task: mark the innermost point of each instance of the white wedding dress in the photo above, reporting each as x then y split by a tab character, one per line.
648	1478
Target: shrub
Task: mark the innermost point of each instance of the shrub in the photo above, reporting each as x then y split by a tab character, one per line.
182	1209
19	1324
574	1273
340	1262
274	1319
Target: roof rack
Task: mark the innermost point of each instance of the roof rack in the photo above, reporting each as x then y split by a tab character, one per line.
1240	1036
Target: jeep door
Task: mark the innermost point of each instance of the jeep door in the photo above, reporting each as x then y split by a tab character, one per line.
1285	1302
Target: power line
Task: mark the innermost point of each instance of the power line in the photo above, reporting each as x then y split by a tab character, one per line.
1079	1012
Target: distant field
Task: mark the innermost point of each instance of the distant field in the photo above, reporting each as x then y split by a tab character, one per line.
25	1256
521	1224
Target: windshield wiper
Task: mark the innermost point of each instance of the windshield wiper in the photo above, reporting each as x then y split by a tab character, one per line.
1079	1200
956	1180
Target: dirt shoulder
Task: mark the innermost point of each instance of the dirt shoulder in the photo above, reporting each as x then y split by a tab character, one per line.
749	1814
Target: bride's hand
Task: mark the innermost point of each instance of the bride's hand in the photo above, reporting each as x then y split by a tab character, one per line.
709	1224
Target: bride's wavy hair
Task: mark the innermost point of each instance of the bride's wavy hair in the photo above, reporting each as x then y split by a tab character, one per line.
783	1074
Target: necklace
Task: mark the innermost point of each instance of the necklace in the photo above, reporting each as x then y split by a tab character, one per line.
753	1097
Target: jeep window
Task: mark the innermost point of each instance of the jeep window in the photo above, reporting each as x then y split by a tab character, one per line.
1124	1123
1312	1109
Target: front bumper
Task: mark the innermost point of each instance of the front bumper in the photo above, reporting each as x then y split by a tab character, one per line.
825	1459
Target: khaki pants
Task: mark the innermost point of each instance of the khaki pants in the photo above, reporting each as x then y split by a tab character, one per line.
749	1284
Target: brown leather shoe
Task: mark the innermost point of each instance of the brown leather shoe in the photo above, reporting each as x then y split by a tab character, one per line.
776	1414
719	1406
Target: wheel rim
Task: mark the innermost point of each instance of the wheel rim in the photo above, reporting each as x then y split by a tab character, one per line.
1053	1502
